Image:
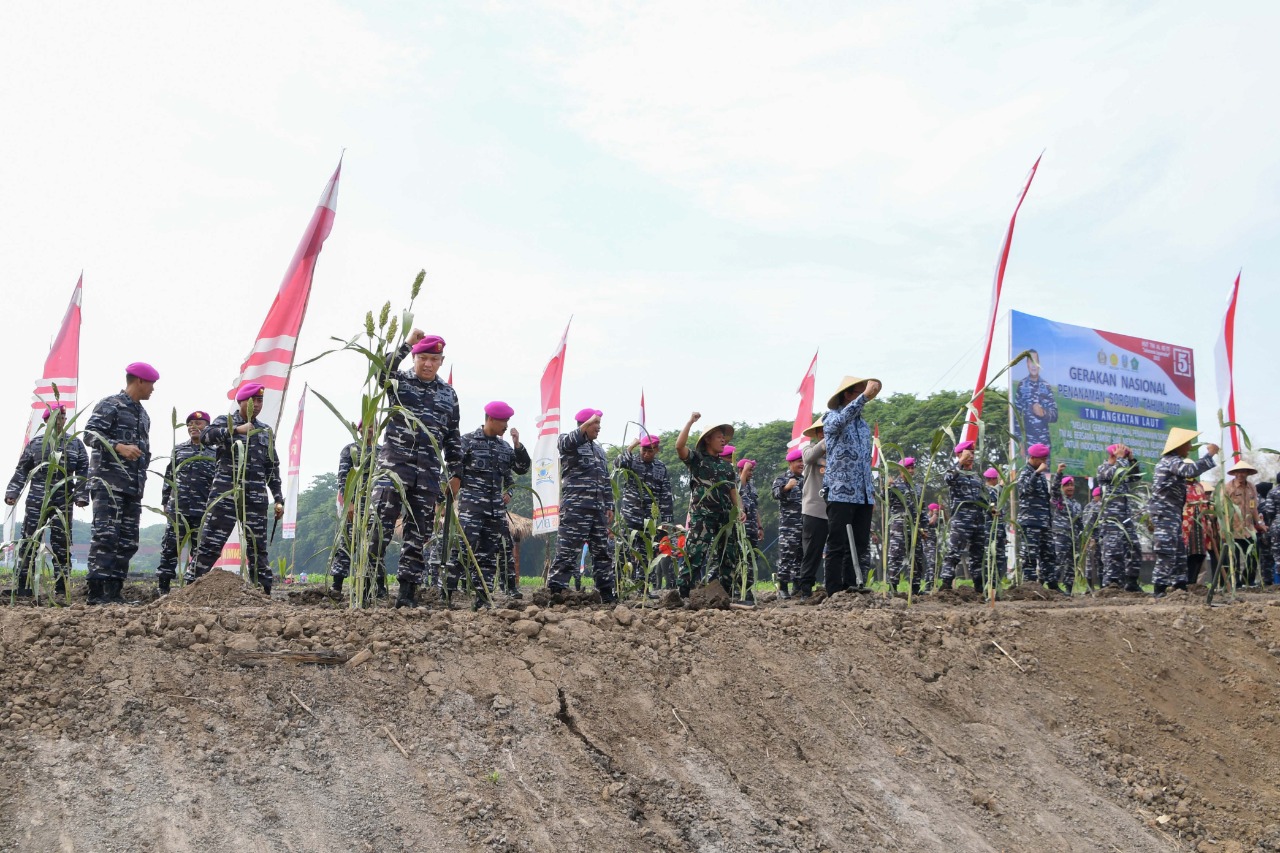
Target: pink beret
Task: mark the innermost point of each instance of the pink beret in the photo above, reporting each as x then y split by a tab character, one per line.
431	343
1097	492
51	408
143	371
1038	450
934	506
198	415
965	445
249	389
991	474
728	451
650	440
1111	448
795	453
908	462
1068	479
587	414
743	463
499	410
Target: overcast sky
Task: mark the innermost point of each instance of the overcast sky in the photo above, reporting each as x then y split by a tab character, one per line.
711	190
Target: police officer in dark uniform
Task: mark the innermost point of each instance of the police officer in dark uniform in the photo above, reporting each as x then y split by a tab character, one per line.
419	453
119	434
185	495
56	466
586	507
247	469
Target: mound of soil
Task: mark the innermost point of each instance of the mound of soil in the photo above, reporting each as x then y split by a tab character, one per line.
709	597
217	589
1066	725
568	597
1029	592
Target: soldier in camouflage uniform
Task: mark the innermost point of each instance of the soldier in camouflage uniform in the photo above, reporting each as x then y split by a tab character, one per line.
1168	499
999	521
481	481
119	434
1121	551
932	520
248	469
1035	404
1266	508
1273	530
906	521
714	504
646	496
1035	518
969	519
750	499
1089	523
185	495
351	459
1067	525
417	453
787	491
56	466
586	508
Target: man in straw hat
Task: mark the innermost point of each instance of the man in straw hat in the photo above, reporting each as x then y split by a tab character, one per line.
1121	554
1244	520
849	487
711	549
813	510
586	508
1167	502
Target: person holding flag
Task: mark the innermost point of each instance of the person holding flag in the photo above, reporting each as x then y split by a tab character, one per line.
185	495
55	465
119	434
248	469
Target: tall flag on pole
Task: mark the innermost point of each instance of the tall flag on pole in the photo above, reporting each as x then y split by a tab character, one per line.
451	375
644	423
295	466
61	370
271	359
546	453
804	414
1224	363
975	409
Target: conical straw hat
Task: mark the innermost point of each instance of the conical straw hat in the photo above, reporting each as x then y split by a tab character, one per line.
1242	467
1178	437
845	384
812	432
713	425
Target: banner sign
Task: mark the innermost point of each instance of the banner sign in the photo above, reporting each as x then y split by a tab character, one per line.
1093	388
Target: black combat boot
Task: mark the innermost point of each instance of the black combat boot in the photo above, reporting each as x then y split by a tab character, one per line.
60	586
1181	585
1160	590
980	585
784	590
337	583
162	584
23	591
607	595
1132	586
266	586
113	589
407	596
946	583
382	585
97	591
577	582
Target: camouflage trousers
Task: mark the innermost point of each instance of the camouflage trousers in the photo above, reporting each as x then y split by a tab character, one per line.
707	557
899	534
1002	547
57	525
1093	562
417	507
1039	563
115	533
1273	533
582	525
1121	553
219	521
790	549
486	534
1170	550
1065	551
968	538
180	531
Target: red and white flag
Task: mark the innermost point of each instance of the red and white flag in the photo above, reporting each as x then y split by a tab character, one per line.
546	451
451	374
997	286
290	526
1224	363
804	414
875	447
644	423
271	359
61	369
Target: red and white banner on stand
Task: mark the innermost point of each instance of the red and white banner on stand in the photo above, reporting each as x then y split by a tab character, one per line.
290	526
997	286
804	413
546	452
1224	363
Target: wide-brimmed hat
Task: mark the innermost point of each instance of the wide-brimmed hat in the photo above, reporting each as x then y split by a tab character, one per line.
1179	436
1242	467
849	382
712	426
813	428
